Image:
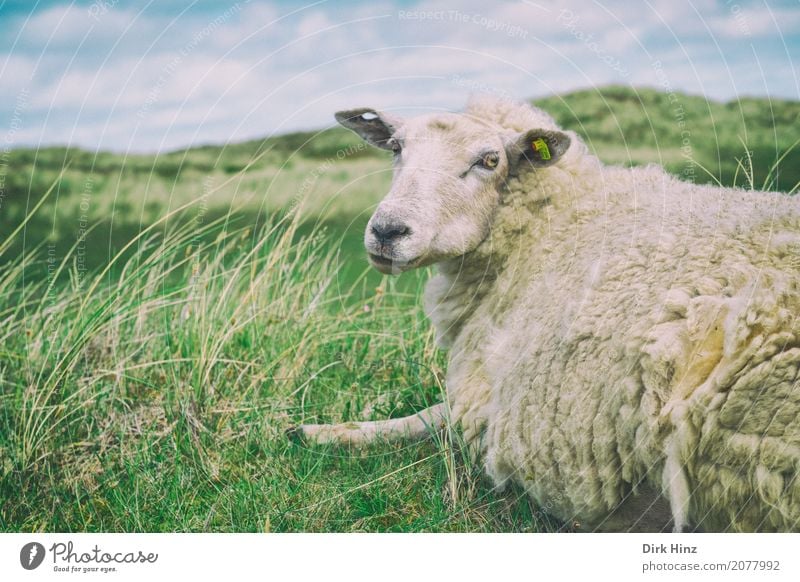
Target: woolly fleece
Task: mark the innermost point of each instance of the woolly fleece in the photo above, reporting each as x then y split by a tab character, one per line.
623	333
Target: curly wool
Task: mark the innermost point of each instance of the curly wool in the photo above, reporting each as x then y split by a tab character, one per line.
623	333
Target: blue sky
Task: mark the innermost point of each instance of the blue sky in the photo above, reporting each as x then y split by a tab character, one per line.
157	75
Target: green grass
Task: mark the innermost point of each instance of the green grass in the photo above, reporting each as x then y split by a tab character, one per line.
220	295
157	400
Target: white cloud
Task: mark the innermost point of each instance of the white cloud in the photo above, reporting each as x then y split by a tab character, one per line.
20	69
69	24
743	23
66	23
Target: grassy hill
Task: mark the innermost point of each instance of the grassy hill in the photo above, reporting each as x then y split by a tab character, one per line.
170	318
678	131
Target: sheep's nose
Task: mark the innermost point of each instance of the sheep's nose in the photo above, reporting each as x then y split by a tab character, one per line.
389	232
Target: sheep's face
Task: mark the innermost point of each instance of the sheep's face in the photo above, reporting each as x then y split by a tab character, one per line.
448	175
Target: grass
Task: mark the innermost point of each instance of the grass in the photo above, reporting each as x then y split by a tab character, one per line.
157	400
163	320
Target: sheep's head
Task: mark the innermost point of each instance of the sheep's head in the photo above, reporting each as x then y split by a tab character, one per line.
449	170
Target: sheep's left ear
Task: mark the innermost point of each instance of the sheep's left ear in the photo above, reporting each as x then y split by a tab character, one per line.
538	148
374	127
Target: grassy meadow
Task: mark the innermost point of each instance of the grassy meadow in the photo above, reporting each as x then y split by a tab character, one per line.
165	318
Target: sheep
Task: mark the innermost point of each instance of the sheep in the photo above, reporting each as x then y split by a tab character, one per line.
623	345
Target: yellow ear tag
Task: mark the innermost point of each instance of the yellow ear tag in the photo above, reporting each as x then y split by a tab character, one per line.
541	146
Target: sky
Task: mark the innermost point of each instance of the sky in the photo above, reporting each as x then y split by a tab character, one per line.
146	75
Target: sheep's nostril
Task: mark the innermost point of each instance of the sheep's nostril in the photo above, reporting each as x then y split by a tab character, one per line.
389	232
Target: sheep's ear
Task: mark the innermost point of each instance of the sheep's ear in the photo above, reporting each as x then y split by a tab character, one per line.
538	148
375	128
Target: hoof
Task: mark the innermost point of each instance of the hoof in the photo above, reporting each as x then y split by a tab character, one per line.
295	434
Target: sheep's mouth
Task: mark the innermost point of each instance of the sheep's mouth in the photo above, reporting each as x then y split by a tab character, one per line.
390	265
380	259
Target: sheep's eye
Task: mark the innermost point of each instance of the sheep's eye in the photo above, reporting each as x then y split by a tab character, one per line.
489	160
394	145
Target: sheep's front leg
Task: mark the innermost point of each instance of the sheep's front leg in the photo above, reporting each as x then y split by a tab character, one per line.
418	426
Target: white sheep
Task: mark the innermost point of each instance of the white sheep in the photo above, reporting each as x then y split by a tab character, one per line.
624	345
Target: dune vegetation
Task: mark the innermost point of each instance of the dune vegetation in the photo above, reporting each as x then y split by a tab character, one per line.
165	318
